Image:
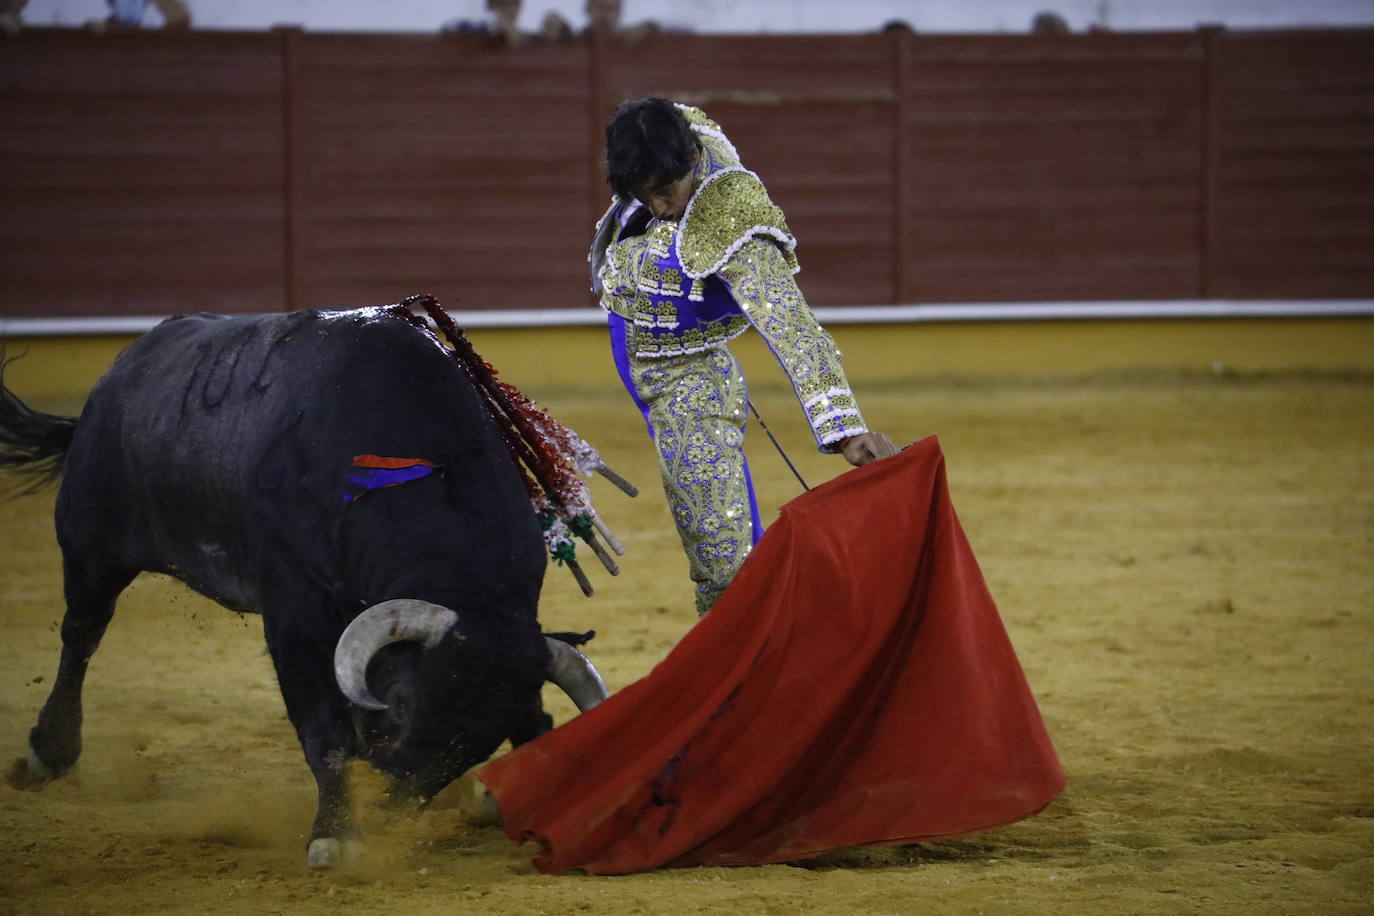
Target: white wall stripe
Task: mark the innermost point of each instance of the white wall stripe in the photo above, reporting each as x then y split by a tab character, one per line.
850	314
1059	311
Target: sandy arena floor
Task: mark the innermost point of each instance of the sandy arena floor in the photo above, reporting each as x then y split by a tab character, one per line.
1184	562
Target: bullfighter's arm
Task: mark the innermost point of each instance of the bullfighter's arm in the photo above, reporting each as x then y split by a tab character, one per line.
760	280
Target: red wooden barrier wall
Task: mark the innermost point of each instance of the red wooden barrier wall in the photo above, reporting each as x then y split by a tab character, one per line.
150	172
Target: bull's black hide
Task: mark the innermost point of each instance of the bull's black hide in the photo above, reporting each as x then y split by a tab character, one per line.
216	450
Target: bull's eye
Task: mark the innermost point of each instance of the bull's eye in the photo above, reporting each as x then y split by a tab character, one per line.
399	705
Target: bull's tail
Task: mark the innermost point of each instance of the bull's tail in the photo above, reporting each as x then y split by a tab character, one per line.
31	442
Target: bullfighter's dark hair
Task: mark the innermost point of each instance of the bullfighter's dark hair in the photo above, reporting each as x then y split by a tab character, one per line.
648	141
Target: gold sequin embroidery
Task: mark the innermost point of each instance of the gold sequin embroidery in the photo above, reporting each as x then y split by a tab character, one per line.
761	281
697	405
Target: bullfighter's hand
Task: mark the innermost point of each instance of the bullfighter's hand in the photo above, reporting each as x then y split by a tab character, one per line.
865	447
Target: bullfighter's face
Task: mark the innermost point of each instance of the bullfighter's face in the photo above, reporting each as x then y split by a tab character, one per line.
669	201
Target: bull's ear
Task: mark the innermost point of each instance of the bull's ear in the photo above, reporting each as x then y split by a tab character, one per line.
401	701
398	620
575	675
573	639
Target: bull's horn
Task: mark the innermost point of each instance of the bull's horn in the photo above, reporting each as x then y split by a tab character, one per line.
574	673
398	620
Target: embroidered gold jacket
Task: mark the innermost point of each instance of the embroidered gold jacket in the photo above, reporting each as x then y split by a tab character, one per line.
728	264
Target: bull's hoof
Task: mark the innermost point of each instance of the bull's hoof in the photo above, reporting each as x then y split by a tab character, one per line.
491	811
329	852
17	776
29	773
326	852
39	772
53	748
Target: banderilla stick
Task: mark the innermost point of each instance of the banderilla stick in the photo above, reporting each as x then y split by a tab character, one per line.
772	439
601	554
608	534
625	486
582	581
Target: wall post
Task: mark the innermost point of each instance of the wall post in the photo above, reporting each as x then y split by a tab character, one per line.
1209	243
596	118
290	143
901	216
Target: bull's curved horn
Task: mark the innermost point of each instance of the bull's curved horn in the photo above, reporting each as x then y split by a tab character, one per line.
574	673
398	620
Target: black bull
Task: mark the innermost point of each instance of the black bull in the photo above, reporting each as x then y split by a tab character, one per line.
217	450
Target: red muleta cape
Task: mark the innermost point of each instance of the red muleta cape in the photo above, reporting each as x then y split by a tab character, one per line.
854	686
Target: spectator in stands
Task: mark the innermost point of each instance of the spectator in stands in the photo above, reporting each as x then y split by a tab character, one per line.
10	12
502	18
554	28
1047	22
500	22
128	14
603	18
